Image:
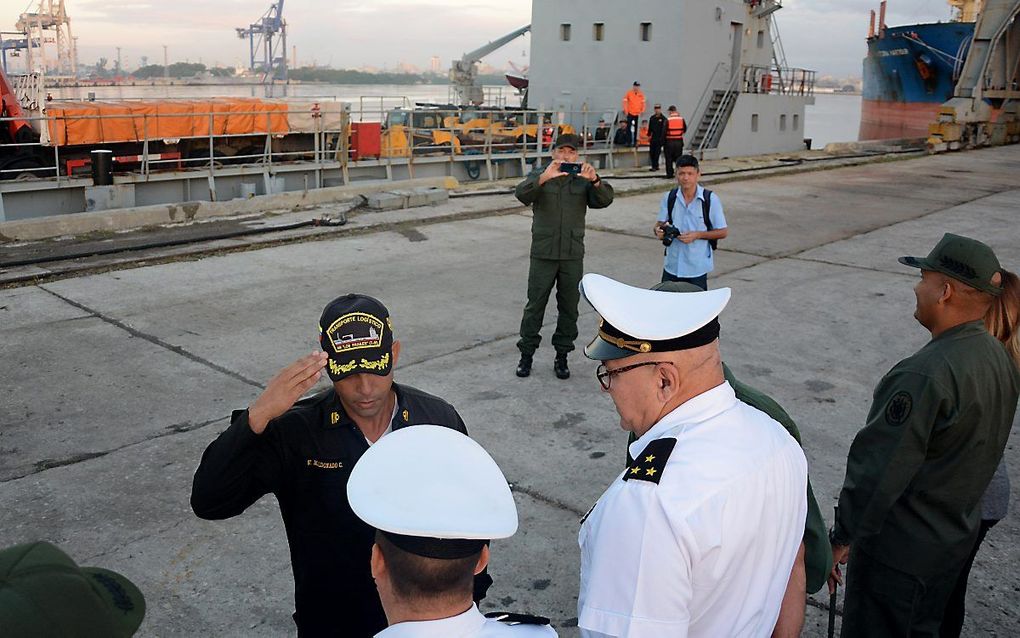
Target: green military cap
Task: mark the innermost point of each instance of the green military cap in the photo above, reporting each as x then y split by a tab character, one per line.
964	259
568	139
43	592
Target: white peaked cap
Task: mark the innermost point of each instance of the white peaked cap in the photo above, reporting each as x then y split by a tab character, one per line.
432	482
642	320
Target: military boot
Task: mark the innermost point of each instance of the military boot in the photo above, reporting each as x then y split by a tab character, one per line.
560	366
524	366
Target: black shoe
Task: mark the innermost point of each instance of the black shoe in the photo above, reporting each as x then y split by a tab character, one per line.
524	366
654	169
560	367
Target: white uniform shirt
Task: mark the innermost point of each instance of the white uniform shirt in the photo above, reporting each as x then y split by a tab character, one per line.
470	624
707	551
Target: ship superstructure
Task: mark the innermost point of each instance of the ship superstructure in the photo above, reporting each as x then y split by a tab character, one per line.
720	63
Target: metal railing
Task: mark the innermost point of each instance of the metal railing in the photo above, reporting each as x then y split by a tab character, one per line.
324	142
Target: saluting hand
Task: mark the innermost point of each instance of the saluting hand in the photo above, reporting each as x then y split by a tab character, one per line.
552	171
285	389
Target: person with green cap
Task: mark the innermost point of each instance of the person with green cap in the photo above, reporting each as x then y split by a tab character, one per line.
908	513
559	194
45	594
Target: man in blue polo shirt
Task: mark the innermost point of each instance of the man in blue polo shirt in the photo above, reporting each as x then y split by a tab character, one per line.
689	224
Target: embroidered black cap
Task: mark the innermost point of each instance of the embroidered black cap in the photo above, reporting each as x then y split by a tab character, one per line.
43	592
357	333
964	259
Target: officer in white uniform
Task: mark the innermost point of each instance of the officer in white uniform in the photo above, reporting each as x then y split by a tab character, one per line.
436	498
697	536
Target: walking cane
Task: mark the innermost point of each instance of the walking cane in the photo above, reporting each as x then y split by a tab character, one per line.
835	587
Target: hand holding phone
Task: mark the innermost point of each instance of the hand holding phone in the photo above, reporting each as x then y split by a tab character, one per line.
570	168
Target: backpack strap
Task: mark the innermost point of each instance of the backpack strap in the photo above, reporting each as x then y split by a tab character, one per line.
670	203
706	208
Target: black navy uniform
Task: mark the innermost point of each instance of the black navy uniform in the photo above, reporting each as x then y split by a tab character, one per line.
305	458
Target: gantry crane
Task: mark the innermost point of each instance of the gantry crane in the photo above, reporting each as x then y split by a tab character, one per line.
267	44
984	107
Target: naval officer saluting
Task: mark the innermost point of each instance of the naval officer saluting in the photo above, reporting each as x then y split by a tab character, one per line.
697	537
436	498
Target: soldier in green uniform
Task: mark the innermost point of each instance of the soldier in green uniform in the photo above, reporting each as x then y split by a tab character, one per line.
908	511
559	200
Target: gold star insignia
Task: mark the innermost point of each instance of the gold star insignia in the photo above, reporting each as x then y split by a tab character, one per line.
635	470
649	458
650	471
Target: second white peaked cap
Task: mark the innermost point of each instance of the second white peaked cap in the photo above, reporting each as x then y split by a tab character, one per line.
645	320
431	481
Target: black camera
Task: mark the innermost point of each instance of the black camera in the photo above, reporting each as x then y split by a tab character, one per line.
669	233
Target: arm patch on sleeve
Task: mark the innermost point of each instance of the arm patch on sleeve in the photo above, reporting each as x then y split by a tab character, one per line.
648	465
898	409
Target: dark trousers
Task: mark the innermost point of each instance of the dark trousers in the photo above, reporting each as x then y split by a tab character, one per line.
543	274
952	622
701	281
674	149
654	149
632	129
883	601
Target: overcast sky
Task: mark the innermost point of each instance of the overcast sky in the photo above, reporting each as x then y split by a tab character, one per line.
826	35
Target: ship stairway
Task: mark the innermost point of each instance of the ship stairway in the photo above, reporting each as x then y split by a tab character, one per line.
767	8
991	65
713	122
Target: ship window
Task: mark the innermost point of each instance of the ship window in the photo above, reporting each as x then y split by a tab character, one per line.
782	122
754	122
646	31
598	31
565	32
761	39
796	121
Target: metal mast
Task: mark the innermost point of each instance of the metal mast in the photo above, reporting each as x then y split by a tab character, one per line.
48	24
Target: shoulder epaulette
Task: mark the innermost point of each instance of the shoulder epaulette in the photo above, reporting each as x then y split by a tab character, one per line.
648	465
510	618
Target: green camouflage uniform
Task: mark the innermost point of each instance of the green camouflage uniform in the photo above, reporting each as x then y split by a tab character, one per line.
557	252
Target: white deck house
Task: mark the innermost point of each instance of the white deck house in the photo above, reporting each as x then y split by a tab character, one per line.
719	61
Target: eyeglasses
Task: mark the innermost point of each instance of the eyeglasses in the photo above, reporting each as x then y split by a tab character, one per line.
605	376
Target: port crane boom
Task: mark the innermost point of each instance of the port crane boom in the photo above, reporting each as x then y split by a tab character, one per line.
464	72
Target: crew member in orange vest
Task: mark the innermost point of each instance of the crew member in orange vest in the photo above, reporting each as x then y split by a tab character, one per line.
633	107
675	129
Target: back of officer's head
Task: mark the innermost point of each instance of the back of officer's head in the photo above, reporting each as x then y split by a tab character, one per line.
436	498
416	579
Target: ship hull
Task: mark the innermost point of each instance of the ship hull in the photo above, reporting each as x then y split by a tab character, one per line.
909	73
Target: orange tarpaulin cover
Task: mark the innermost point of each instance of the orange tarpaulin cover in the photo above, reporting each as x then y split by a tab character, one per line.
78	123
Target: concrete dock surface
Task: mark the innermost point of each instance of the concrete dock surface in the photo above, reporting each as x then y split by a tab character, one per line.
114	382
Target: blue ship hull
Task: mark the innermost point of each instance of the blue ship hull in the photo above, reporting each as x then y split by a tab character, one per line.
908	74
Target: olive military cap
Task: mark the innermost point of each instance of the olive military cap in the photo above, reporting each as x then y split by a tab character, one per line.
964	259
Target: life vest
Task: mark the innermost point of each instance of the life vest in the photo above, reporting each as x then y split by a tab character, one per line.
643	138
675	127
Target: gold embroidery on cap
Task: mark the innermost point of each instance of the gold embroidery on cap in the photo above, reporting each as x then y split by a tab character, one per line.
620	342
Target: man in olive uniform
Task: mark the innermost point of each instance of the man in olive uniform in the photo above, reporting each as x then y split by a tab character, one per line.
908	512
559	200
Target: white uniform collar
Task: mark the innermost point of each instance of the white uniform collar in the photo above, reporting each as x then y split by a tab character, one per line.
462	625
704	406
